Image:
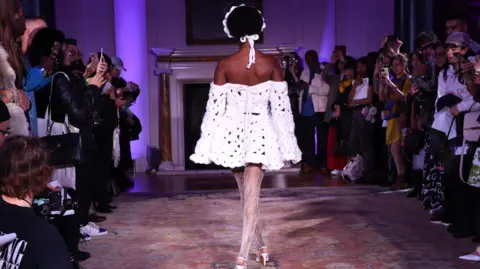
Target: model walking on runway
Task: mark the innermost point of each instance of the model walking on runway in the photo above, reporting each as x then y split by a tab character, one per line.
248	125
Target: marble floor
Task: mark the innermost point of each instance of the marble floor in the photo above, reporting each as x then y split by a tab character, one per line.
309	221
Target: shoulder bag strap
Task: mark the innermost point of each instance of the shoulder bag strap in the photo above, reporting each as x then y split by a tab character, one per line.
48	113
464	142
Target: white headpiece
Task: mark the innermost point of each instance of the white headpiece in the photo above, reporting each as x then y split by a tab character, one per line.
250	38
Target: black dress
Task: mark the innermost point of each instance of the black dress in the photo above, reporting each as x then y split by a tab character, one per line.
343	123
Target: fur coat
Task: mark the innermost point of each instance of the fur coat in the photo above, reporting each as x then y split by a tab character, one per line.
18	120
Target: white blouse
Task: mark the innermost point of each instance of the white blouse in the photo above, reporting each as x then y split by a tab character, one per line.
443	119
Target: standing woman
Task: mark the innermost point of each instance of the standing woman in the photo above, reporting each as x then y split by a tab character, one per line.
393	91
12	65
248	124
333	74
342	112
360	100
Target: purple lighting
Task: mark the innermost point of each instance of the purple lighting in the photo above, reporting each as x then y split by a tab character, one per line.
131	47
328	38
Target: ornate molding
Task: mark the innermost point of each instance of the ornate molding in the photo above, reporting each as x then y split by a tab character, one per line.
214	54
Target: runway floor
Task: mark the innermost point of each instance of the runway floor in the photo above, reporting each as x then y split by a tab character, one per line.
190	222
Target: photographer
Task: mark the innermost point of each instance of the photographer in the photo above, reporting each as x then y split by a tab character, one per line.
105	126
24	171
130	128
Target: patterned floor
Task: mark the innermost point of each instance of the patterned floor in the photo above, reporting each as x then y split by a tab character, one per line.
335	227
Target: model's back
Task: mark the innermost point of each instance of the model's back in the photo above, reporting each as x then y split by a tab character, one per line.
235	70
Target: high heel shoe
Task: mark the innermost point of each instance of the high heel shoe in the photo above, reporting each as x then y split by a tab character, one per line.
262	258
239	266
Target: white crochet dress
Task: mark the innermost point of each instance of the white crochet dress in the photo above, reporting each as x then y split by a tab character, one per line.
248	124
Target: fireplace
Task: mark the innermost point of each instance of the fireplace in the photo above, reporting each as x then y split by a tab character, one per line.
195	97
184	76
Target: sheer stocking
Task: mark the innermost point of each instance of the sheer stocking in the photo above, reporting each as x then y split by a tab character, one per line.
249	184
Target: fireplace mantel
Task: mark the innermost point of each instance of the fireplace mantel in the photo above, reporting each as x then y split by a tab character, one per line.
175	68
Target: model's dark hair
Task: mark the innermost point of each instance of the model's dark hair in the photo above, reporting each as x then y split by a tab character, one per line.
244	20
42	44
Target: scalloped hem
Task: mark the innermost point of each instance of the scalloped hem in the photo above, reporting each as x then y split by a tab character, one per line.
197	158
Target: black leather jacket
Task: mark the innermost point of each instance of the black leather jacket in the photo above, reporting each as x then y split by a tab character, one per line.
72	98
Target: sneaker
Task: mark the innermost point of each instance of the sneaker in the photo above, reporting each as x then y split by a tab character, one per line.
475	256
85	237
92	229
336	172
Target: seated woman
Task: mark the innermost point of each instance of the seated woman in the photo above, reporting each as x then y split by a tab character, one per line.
24	171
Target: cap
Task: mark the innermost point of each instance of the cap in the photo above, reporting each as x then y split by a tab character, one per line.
118	63
458	39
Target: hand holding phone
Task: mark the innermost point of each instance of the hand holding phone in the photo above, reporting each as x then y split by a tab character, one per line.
384	72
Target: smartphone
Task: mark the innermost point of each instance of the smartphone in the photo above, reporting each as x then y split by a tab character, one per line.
385	72
459	56
107	87
341	49
101	54
391	38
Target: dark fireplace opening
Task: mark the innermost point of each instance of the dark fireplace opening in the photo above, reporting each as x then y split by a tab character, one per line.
195	97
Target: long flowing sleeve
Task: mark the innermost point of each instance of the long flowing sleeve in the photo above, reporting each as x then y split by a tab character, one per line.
216	106
283	122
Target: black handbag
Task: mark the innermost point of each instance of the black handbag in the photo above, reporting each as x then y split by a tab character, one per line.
65	149
414	143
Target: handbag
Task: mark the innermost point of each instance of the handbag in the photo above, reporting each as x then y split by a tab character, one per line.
471	133
66	148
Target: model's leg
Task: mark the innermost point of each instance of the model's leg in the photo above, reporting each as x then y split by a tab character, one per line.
239	174
251	195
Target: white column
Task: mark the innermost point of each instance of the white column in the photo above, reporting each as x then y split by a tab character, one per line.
131	46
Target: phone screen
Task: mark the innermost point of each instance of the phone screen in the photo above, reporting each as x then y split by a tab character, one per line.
107	87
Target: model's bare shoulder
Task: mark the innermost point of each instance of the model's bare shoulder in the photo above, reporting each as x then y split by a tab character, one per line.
220	77
277	71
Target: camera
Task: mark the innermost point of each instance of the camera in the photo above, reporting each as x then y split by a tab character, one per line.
289	60
129	95
52	203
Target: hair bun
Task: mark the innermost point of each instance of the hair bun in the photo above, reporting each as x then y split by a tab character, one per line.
242	21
